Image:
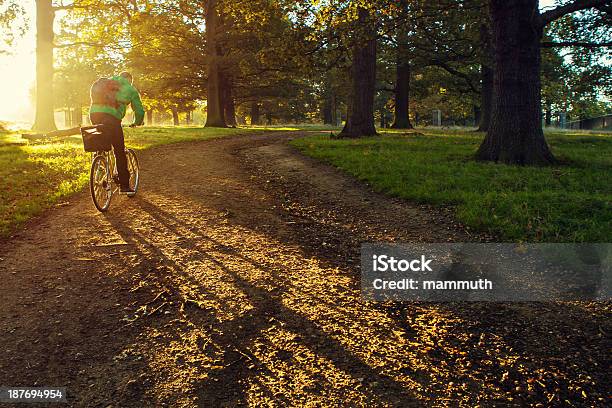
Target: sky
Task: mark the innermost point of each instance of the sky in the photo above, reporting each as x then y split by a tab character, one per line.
17	72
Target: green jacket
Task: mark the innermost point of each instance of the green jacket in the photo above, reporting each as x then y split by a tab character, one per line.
126	95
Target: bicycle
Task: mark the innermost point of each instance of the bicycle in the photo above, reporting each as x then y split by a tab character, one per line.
103	175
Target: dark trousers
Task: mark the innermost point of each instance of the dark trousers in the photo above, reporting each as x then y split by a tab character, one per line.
112	128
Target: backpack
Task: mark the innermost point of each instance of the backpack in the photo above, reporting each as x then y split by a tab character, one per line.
104	92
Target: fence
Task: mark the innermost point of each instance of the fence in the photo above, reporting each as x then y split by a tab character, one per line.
599	123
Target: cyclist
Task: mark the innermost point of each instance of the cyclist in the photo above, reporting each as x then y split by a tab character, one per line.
109	100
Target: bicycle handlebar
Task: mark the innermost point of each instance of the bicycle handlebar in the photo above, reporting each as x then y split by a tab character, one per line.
97	127
92	127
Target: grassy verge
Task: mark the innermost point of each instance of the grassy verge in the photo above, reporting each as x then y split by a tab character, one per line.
35	175
565	203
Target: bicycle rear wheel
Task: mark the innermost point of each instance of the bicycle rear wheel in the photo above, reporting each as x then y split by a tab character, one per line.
100	183
133	169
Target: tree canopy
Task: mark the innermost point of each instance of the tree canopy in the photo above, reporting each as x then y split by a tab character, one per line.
393	62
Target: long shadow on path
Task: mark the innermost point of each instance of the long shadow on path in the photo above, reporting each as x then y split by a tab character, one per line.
237	336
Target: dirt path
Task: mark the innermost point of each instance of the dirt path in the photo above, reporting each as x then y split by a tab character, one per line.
232	279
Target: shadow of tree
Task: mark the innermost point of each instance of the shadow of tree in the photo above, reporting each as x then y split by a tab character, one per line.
236	336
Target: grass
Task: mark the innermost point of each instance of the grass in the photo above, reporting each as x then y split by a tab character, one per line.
36	175
564	203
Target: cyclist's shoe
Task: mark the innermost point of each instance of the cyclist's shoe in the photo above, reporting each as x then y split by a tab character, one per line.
126	190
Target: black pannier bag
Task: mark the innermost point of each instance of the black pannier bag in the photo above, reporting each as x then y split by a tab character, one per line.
95	140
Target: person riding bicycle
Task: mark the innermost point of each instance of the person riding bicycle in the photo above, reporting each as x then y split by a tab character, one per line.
109	99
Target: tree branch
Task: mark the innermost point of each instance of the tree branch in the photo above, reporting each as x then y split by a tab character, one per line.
68	7
551	44
74	44
385	89
577	5
452	71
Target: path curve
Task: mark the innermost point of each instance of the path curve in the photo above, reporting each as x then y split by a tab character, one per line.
232	279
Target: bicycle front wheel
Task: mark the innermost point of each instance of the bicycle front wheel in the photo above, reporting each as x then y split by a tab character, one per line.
133	169
100	183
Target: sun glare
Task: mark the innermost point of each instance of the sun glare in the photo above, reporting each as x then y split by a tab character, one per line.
16	81
17	74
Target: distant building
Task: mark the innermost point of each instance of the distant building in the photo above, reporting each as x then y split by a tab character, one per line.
600	123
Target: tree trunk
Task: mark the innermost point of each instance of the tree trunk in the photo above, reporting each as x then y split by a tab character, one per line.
360	118
334	110
476	110
44	120
67	118
55	133
255	119
228	104
326	111
486	77
230	112
150	117
77	116
402	74
402	96
175	117
486	98
188	119
215	116
268	118
548	117
515	133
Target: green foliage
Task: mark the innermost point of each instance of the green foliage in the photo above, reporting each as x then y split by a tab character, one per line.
292	57
579	79
566	203
13	23
164	44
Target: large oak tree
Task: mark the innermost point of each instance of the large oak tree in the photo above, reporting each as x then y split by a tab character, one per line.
515	133
45	14
215	116
360	115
